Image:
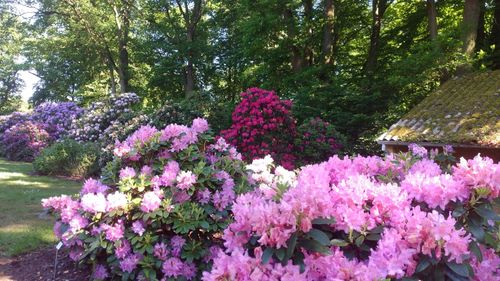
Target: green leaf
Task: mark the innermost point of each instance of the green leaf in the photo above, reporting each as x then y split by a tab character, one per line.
460	269
280	253
204	224
266	256
378	229
373	237
290	244
319	236
422	265
359	241
486	213
474	248
477	231
320	221
458	212
314	246
338	242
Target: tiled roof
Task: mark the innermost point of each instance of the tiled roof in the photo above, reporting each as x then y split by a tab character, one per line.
464	110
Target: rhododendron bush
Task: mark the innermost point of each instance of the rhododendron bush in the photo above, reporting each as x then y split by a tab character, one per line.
316	141
23	141
56	118
366	218
162	209
262	125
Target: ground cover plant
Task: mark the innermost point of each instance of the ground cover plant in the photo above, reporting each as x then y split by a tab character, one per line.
160	211
21	229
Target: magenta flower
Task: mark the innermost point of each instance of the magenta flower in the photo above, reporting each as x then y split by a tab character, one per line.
150	202
185	180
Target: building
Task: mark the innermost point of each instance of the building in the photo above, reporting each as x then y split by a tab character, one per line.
463	112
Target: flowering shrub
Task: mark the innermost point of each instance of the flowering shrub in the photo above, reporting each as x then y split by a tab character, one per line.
365	218
23	141
316	141
160	215
56	117
10	120
173	113
262	125
100	115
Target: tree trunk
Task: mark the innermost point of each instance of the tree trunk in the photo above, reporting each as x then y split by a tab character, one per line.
112	80
328	32
189	86
308	13
481	35
297	60
123	67
378	10
495	36
469	26
432	19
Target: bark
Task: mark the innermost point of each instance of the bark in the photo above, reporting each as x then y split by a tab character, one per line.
432	19
328	32
469	26
378	10
495	36
307	50
122	20
481	35
297	59
191	20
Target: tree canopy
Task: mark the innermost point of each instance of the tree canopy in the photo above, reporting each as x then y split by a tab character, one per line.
356	63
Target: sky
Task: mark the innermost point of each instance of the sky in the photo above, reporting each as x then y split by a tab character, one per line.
29	83
26	12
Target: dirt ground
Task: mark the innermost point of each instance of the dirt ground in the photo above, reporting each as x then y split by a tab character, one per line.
39	265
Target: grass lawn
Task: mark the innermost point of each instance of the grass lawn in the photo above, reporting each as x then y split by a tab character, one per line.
21	228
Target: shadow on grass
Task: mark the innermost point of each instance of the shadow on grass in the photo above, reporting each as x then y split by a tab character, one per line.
21	228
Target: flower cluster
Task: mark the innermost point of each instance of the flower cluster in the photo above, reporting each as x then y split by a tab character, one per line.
160	208
263	124
100	115
12	119
366	218
23	141
316	141
56	117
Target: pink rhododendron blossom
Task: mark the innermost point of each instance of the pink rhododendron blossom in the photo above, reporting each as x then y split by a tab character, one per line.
129	263
116	200
185	179
94	202
93	186
100	272
199	125
150	202
127	173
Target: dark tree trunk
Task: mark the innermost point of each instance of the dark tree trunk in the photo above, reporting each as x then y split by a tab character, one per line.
432	19
469	26
308	52
481	35
495	36
189	87
297	60
328	32
378	10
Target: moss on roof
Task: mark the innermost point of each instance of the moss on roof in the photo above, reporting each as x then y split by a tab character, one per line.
463	110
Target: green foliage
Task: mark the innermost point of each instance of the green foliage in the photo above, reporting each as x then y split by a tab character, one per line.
68	158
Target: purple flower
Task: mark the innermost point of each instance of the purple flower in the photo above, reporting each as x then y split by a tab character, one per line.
172	267
123	249
115	232
138	228
93	186
129	263
100	272
160	251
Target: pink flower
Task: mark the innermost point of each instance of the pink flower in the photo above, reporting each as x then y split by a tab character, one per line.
199	125
127	173
172	267
116	201
150	202
160	251
93	186
94	203
185	180
114	232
